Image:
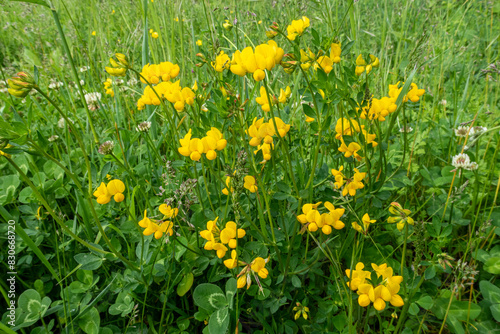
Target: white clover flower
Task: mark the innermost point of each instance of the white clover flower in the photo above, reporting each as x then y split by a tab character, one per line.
143	127
461	160
443	102
477	130
407	129
472	166
61	123
55	85
92	100
53	138
461	131
132	82
84	68
106	147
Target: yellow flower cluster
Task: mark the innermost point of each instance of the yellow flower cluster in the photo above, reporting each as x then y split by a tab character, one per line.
297	28
312	219
249	184
264	131
265	57
300	310
264	101
159	227
385	289
260	130
325	62
21	85
362	66
256	267
171	91
119	66
195	147
108	87
350	185
222	62
366	221
413	94
164	71
115	189
379	109
348	127
401	217
217	239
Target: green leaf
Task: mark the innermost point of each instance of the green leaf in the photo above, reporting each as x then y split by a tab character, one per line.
231	287
36	2
209	297
414	309
124	304
458	309
296	281
185	284
36	250
430	272
493	265
491	293
425	302
219	321
96	299
309	111
88	261
90	322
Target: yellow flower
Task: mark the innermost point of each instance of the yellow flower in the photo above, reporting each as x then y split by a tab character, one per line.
362	66
165	71
144	222
168	211
93	33
297	28
255	268
366	224
311	217
357	277
119	68
250	183
222	62
232	262
108	84
346	127
263	100
385	291
217	239
225	191
155	35
227	25
265	57
284	94
102	194
354	183
199	42
158	230
379	109
402	216
300	310
260	21
116	188
350	150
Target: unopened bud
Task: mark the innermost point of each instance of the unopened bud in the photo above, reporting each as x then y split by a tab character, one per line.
271	34
122	59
